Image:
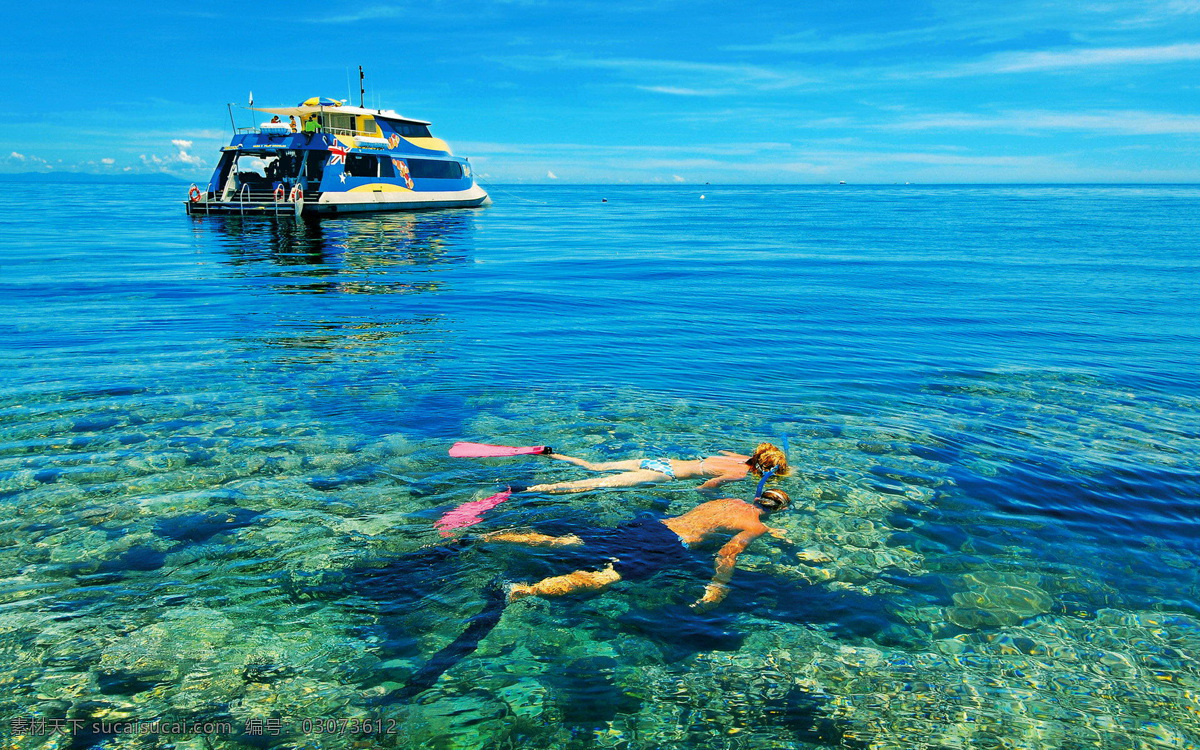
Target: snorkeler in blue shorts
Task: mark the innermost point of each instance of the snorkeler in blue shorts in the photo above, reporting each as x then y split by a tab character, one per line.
633	551
637	550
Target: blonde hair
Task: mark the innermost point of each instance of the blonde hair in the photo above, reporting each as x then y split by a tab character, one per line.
766	457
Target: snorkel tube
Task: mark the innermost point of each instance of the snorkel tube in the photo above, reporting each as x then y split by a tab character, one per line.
772	471
763	482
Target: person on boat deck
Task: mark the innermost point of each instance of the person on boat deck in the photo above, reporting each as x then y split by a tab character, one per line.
638	549
311	125
292	122
727	467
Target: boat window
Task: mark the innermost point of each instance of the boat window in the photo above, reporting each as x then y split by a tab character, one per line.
340	122
434	170
251	164
359	165
411	130
316	164
289	163
368	125
386	169
253	168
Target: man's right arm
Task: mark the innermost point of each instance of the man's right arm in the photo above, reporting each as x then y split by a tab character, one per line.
716	591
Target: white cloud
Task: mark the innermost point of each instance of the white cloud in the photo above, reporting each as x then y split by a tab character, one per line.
370	13
853	162
683	74
810	41
1109	122
18	159
483	150
180	161
677	178
551	175
680	91
1022	62
1160	13
1184	7
184	157
108	161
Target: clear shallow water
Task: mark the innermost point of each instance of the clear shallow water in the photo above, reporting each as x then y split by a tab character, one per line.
222	447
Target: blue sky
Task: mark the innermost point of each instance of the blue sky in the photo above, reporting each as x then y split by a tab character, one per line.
633	90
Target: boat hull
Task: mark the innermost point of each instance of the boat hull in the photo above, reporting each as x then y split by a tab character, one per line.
332	204
358	202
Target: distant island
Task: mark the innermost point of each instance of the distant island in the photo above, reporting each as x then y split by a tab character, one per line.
87	177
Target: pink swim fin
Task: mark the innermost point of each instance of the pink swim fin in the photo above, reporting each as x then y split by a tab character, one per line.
483	450
468	514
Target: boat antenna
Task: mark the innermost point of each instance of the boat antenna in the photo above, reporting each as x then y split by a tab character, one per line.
362	89
232	124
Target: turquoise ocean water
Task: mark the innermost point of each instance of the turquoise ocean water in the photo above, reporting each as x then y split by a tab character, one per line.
223	446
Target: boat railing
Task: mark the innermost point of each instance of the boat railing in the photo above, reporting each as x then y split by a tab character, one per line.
334	131
252	200
351	133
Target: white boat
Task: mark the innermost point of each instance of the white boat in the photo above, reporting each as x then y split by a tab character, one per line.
322	157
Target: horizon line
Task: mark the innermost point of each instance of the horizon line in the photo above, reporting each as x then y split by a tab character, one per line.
550	183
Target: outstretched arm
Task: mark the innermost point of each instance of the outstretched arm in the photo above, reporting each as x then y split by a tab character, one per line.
712	484
715	592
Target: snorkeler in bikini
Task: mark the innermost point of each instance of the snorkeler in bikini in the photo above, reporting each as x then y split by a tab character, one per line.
637	550
716	470
767	460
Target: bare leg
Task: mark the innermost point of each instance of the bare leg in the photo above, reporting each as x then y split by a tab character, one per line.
626	479
630	465
532	538
580	580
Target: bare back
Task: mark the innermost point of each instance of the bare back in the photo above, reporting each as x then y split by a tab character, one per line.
725	516
728	467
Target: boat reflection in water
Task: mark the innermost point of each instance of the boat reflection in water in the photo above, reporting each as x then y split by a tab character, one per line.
364	255
404	255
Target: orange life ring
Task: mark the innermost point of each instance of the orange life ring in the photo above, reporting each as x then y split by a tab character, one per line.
279	193
296	194
194	194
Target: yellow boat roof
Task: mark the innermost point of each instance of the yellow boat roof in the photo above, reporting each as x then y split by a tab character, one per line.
308	109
